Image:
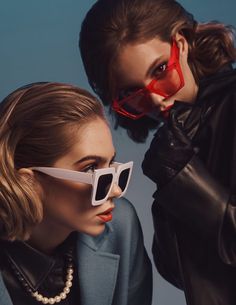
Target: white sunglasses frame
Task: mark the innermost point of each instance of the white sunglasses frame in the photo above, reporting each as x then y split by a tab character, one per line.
90	178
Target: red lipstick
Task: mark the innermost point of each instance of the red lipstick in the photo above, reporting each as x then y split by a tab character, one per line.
106	216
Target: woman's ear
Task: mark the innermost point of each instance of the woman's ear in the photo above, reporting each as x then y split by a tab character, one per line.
182	44
29	176
26	174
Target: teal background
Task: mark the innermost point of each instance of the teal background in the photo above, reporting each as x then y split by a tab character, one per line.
39	42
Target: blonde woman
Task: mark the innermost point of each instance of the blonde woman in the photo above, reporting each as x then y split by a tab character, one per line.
65	236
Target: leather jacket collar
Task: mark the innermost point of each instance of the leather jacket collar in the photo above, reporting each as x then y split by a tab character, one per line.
192	116
33	265
216	83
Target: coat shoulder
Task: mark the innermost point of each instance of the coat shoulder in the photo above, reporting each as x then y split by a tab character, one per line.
125	228
125	215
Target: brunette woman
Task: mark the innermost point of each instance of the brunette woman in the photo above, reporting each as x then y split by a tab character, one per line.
153	62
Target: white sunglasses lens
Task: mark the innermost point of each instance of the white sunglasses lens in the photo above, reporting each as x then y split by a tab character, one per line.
103	186
123	179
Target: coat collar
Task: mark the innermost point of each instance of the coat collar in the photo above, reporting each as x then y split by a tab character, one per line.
222	81
96	242
33	273
4	295
192	116
23	257
97	268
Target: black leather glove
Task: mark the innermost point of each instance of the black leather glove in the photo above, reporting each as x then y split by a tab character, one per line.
169	152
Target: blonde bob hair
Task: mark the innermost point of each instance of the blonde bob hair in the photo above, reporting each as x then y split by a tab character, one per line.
37	124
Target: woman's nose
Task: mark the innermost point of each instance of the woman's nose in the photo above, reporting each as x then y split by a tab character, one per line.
115	191
156	99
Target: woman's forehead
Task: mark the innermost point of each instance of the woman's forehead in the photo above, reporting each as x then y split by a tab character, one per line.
92	139
135	60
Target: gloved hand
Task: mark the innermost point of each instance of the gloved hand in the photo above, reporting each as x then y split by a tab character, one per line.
169	152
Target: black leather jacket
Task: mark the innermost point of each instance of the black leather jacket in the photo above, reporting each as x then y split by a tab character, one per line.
39	271
195	214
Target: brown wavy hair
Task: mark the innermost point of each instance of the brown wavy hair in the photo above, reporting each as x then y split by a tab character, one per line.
112	24
37	124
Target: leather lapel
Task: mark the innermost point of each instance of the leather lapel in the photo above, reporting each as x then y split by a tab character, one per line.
97	270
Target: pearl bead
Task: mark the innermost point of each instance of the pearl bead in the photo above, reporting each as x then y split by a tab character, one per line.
57	299
66	290
45	300
68	284
39	297
63	295
69	277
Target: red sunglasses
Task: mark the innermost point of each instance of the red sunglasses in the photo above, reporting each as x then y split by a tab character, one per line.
170	81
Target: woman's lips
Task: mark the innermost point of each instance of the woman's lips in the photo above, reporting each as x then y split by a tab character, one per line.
106	216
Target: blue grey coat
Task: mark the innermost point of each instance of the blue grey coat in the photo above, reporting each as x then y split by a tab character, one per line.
114	268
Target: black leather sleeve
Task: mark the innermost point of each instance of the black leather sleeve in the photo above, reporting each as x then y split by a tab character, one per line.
165	247
196	198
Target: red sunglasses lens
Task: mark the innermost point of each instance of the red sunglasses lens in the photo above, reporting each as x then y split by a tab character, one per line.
168	84
136	104
170	81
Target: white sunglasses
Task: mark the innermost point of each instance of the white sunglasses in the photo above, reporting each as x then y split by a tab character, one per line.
101	180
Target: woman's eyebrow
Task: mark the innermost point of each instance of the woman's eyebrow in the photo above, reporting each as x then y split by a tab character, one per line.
88	158
94	157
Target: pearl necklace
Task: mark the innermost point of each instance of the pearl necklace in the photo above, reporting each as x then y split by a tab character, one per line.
57	299
53	300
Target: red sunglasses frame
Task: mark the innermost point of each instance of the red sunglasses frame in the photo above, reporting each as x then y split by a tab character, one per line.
173	63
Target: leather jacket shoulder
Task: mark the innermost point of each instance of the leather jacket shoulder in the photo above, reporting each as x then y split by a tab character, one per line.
194	218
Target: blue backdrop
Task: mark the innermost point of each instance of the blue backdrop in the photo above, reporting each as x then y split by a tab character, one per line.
39	42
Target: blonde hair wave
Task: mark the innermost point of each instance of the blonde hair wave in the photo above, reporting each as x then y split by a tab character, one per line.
36	128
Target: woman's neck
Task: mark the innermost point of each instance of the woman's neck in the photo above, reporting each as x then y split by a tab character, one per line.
46	238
